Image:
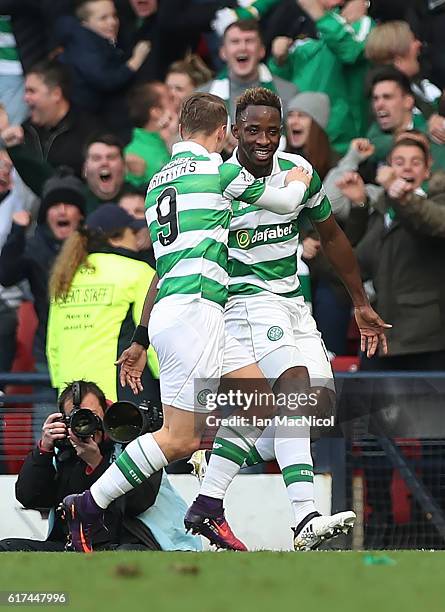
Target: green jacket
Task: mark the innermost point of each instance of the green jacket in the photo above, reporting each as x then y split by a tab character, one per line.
89	329
334	64
152	149
383	142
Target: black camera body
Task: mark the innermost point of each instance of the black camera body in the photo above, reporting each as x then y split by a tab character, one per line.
82	421
125	421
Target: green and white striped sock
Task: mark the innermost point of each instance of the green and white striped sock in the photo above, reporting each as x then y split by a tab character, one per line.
230	449
263	450
293	453
139	461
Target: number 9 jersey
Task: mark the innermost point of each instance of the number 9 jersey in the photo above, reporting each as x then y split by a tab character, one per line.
188	211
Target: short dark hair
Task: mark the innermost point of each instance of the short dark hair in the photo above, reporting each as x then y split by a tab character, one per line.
53	74
141	100
86	386
389	73
257	96
202	112
107	138
411	142
245	25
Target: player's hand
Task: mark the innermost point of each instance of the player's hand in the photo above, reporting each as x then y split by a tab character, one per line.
352	186
280	48
86	449
372	330
299	173
53	429
132	362
363	147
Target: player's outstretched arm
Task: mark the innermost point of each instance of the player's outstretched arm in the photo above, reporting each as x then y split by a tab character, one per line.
339	252
285	200
133	360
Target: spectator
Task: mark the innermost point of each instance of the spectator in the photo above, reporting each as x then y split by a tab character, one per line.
30	257
100	75
49	474
184	76
104	170
333	63
97	288
402	253
394	43
393	107
306	121
133	202
12	84
55	132
173	27
25	28
14	197
243	50
355	160
152	112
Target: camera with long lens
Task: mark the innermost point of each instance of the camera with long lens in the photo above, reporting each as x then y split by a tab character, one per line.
82	421
124	421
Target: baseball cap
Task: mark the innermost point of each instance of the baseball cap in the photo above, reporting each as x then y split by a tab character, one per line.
111	217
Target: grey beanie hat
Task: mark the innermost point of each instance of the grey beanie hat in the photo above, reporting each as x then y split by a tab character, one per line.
313	103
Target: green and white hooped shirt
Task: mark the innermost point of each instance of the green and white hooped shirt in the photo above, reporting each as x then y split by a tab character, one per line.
188	211
263	245
9	58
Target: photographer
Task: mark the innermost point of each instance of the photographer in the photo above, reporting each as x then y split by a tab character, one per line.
64	463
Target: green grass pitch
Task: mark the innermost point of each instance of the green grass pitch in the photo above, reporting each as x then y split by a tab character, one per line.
219	582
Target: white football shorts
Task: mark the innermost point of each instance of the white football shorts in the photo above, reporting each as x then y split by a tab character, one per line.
279	333
193	347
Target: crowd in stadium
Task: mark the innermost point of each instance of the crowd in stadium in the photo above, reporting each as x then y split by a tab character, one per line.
90	111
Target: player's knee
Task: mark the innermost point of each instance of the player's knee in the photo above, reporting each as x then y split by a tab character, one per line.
297	376
180	447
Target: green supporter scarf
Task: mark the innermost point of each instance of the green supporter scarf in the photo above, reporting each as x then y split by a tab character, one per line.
221	85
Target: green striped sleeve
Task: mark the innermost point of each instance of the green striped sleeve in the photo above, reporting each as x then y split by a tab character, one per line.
254	192
228	173
321	212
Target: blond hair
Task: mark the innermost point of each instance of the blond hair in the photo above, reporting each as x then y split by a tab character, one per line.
388	41
194	67
74	255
